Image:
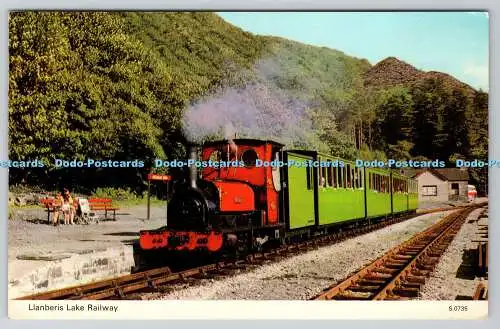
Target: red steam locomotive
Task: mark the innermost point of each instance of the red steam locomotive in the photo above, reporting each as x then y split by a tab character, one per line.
231	206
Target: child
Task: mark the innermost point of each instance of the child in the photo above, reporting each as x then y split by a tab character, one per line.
70	208
57	208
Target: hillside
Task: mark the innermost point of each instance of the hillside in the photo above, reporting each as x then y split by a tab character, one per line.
392	72
126	85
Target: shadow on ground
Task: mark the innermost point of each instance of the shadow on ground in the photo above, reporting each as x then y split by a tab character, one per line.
468	268
123	234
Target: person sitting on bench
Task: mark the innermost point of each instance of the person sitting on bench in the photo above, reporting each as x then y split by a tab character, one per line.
57	208
68	208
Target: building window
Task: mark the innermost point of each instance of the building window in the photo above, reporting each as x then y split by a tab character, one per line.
454	186
429	190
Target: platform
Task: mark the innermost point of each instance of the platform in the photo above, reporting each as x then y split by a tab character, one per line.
42	257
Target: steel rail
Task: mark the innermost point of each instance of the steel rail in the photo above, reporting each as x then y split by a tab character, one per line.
400	272
122	286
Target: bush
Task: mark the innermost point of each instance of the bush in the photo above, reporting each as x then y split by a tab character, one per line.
114	193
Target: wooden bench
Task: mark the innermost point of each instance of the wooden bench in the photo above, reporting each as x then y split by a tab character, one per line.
105	204
50	204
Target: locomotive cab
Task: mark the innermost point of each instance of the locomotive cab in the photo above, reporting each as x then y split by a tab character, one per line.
245	180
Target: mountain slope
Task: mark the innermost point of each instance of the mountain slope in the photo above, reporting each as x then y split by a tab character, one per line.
393	72
117	85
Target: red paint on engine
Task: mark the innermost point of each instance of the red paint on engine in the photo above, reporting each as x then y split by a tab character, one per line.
235	196
181	240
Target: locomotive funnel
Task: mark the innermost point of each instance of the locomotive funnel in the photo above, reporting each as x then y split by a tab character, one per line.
193	173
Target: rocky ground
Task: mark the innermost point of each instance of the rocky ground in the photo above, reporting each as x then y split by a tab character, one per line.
454	276
305	275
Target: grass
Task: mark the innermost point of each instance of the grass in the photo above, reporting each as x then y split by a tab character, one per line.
139	202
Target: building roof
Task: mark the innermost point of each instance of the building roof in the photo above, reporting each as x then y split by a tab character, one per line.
445	174
454	174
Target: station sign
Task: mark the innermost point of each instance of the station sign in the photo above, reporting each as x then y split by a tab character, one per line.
159	177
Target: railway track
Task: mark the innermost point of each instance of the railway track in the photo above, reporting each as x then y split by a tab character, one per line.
399	274
157	280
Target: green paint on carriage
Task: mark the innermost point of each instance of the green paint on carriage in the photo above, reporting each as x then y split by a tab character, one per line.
400	193
412	195
340	192
378	198
300	193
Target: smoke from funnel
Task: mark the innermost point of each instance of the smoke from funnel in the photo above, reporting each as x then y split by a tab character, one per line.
254	111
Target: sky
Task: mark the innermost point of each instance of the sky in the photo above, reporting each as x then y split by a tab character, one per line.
452	42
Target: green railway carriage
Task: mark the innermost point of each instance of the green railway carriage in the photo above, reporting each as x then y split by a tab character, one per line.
378	194
399	189
328	195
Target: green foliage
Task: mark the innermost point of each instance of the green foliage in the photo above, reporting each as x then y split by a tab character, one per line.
366	154
116	85
114	193
77	90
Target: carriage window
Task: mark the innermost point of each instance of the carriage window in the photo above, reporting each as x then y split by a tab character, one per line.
320	173
348	179
249	158
224	156
323	177
334	176
214	156
330	179
309	178
339	176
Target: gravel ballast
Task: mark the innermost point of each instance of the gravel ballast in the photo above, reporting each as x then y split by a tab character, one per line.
454	276
304	276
